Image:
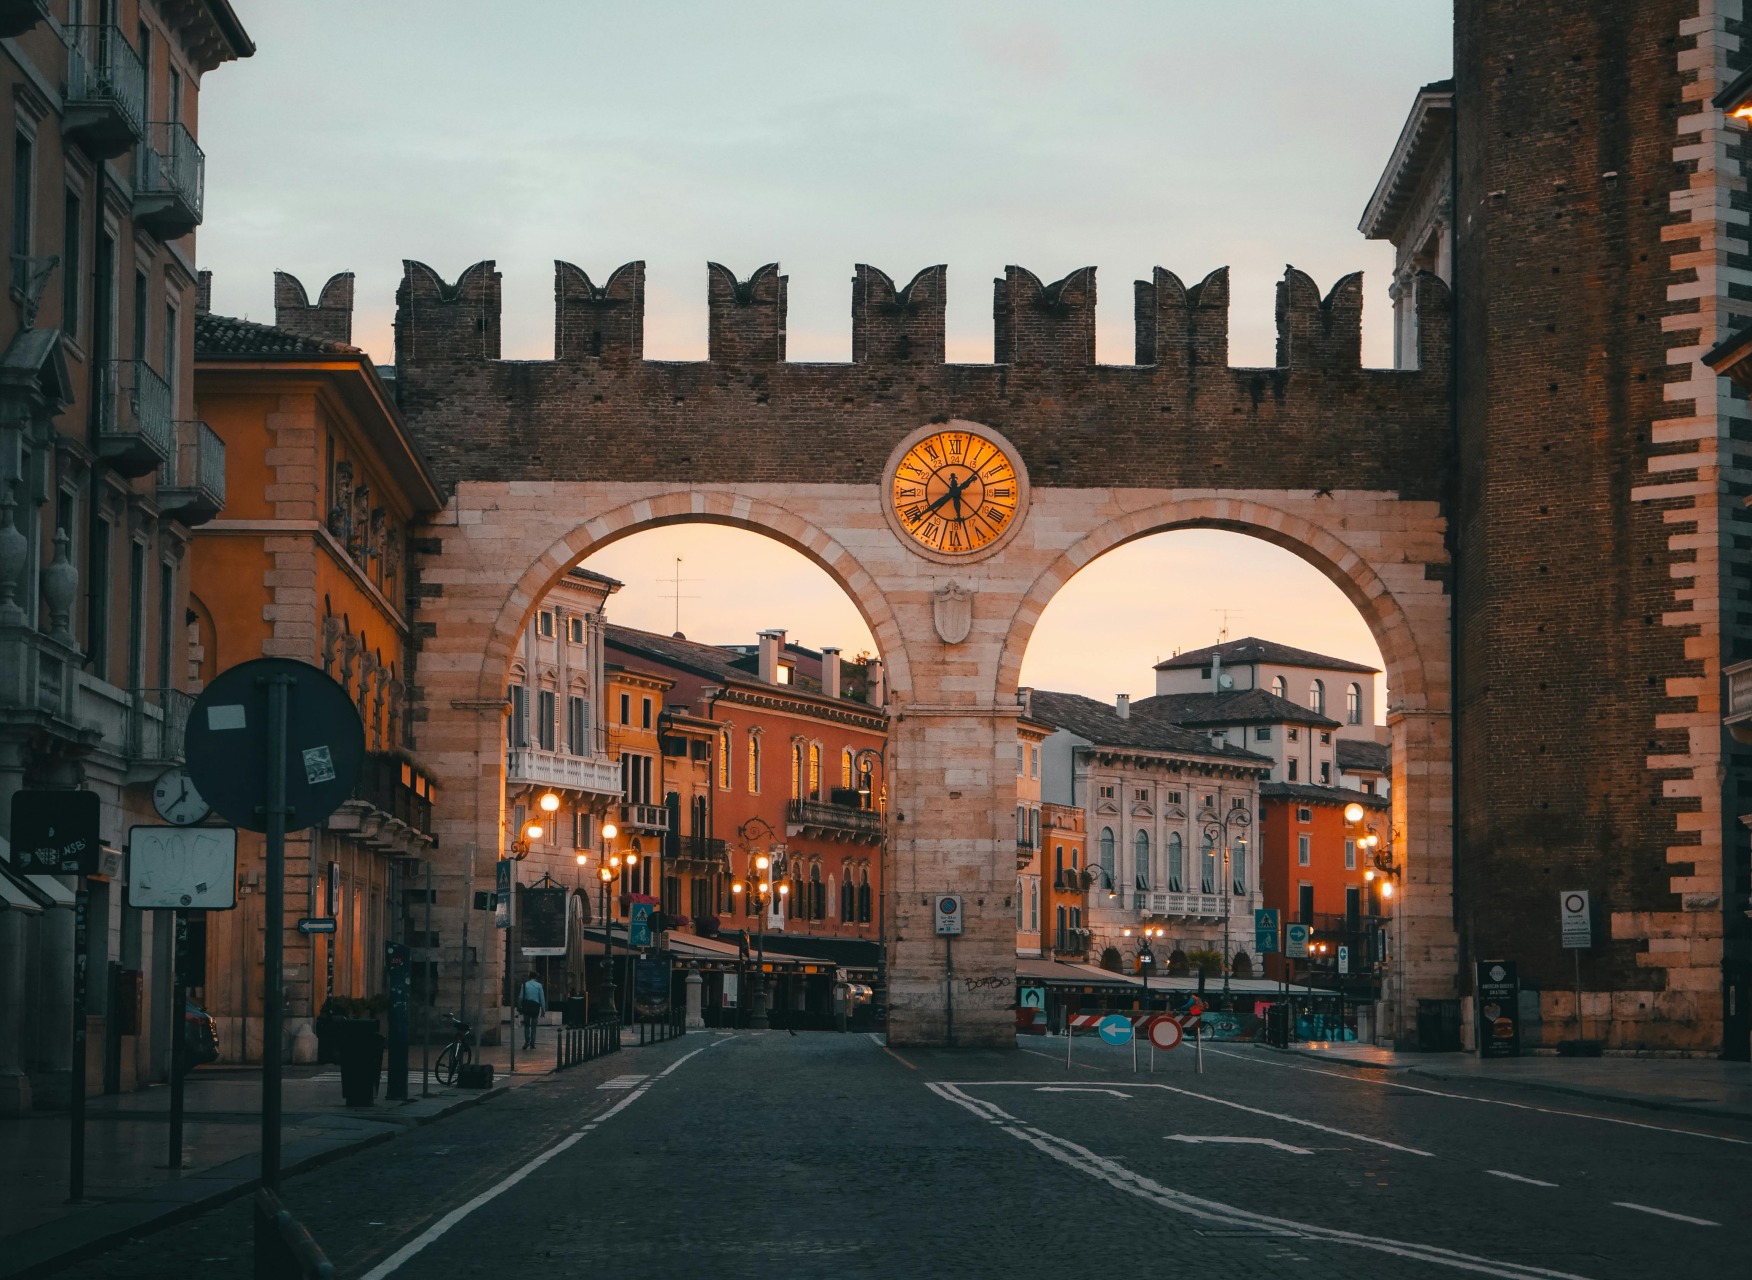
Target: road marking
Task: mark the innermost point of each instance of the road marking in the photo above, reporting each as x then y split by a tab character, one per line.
910	1066
1239	1106
1255	1142
1079	1088
1117	1175
390	1265
1467	1097
1515	1177
1059	1057
1662	1213
622	1082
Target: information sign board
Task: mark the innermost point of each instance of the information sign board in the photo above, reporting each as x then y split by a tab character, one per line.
182	868
56	833
1265	931
948	914
544	921
1576	918
1296	941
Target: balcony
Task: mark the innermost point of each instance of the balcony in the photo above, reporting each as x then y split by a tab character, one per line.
192	488
390	809
106	91
701	854
158	720
644	817
590	775
1739	717
170	181
136	427
834	821
1191	906
19	16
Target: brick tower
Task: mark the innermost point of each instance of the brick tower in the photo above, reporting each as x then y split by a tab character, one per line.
1599	490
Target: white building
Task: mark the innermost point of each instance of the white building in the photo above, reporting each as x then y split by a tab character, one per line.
1303	744
1337	688
1165	808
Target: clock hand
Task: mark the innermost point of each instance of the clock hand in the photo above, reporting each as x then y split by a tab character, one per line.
932	509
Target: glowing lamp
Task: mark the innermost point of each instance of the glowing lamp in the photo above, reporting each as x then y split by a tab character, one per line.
609	831
532	831
549	802
1353	812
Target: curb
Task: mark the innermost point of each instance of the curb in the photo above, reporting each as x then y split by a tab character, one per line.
39	1262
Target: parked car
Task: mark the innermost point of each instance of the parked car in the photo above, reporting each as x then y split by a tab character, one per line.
200	1036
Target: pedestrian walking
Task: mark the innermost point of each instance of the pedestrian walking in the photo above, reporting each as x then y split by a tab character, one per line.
531	1003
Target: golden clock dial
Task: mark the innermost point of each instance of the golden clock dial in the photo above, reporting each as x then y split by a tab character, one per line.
955	492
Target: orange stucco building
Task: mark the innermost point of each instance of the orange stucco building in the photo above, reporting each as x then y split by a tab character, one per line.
1316	870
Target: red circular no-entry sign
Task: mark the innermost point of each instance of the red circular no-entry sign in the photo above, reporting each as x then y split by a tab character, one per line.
1165	1032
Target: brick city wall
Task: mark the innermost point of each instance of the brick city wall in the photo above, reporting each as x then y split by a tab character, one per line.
1597	487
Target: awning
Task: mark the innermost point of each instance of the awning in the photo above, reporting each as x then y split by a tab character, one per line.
17	894
49	891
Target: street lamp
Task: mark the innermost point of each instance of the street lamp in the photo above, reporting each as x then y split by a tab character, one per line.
606	874
1146	957
1217	830
1381	871
757	891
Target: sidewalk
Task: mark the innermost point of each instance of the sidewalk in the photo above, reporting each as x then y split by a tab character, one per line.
1699	1086
130	1189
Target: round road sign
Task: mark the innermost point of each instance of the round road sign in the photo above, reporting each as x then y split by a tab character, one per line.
1165	1032
1115	1028
228	750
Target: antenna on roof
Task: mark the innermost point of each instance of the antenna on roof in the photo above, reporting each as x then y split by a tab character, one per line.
1226	614
675	590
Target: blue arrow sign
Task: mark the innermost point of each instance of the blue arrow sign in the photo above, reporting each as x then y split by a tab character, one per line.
316	924
1265	931
1296	941
1115	1028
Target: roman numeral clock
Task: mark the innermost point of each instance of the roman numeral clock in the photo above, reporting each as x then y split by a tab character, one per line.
955	491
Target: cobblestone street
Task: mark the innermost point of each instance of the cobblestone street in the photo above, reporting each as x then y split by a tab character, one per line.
821	1155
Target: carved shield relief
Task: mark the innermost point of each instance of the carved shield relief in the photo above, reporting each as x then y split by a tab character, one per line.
952	612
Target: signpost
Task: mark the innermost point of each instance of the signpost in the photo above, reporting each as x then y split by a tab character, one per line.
1498	993
273	762
1265	931
1296	941
1343	960
316	924
1576	922
947	913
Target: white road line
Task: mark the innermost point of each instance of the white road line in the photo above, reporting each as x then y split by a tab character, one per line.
1515	1177
622	1082
1467	1097
1239	1106
876	1040
1117	1175
390	1265
1079	1088
1252	1142
1662	1213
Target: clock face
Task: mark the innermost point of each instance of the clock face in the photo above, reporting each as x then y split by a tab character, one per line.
956	492
175	798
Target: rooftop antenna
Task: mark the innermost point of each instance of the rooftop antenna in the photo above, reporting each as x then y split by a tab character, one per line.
1226	614
676	592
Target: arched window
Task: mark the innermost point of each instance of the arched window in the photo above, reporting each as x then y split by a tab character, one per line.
1176	863
1141	859
815	771
864	894
796	771
1034	828
1353	704
848	895
753	764
846	769
1278	687
1060	940
1238	868
1021	912
1317	698
1107	857
1207	872
1058	863
817	893
723	759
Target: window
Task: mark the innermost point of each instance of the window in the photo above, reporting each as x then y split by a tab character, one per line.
817	893
1207	871
1238	869
1107	857
103	306
170	354
1021	825
1034	905
1173	797
753	764
645	713
1033	762
846	769
815	771
23	174
1034	828
1304	850
1326	739
1143	794
1353	906
626	716
544	719
577	740
796	771
1353	704
1176	863
1141	859
1294	735
1305	904
544	624
1107	793
1350	855
97	610
583	829
71	229
1293	767
784	674
1278	687
1237	803
142	300
1326	771
136	614
848	895
166	622
1021	760
864	895
723	759
1061	940
1317	697
1304	814
517	728
575	628
635	778
1262	733
1021	905
174	98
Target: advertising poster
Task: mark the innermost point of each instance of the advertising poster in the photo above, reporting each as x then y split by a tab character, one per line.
1499	1009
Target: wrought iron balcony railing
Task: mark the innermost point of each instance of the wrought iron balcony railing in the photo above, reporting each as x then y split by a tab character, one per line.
135	408
192	488
836	819
106	90
171	181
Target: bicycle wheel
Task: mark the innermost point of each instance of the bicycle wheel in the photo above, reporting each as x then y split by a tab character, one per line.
445	1067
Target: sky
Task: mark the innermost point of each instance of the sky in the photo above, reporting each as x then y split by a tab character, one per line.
977	133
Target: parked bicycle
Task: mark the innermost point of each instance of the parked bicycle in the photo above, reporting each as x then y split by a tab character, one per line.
458	1053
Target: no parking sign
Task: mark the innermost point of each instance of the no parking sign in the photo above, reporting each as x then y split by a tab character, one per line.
1165	1032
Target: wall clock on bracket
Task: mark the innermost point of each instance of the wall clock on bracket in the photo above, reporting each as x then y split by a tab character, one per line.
955	491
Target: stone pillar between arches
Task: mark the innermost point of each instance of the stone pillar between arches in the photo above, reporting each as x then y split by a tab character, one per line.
1424	941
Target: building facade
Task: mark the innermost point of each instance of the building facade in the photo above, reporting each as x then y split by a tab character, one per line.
104	470
1317	868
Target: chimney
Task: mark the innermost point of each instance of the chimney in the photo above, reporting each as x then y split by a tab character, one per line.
1217	671
203	292
1122	705
1025	699
830	672
770	644
876	681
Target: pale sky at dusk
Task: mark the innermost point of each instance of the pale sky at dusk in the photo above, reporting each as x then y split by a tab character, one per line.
1176	132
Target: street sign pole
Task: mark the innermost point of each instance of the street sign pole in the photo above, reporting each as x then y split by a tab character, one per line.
179	999
429	972
76	1108
273	964
949	988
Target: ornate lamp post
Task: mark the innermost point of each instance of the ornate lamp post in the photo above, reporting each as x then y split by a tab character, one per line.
1381	870
1216	830
1146	957
606	874
757	891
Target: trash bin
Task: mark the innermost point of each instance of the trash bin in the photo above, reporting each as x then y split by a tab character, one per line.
358	1046
1438	1026
574	1012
